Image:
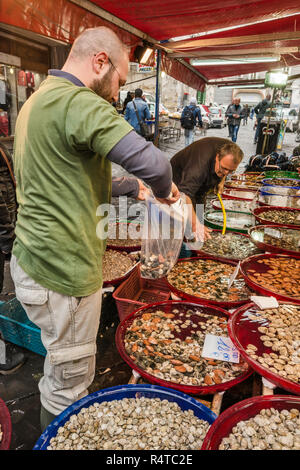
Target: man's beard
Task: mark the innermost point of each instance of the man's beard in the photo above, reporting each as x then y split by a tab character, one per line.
103	86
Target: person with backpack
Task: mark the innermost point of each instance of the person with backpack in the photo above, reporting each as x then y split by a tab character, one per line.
260	110
188	120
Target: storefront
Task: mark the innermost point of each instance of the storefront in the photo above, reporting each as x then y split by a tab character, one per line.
24	63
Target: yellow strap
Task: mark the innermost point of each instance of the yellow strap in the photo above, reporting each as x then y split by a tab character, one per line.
224	214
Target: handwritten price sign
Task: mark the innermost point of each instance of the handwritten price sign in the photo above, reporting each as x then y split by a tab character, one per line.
220	348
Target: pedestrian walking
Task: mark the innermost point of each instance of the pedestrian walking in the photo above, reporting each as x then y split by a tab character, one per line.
234	113
260	110
246	113
127	100
188	119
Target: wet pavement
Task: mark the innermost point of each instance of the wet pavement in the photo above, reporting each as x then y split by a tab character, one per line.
20	389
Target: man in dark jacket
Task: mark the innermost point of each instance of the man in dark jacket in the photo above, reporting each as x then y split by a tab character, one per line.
201	167
260	111
188	120
10	360
234	113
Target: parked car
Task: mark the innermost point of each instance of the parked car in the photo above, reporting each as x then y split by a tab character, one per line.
217	117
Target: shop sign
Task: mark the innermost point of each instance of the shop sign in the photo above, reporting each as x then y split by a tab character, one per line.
9	59
144	68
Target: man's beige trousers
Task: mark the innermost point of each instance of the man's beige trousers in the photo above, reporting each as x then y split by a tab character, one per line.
69	327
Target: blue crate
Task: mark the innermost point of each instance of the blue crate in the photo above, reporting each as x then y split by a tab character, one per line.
16	327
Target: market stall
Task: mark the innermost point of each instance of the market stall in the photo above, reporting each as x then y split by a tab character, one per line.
195	349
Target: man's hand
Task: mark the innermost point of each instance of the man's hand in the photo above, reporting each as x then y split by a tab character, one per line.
143	191
202	233
175	195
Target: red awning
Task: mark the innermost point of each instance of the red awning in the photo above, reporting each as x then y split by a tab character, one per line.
164	19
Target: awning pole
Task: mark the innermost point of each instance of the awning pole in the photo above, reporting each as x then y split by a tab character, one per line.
157	97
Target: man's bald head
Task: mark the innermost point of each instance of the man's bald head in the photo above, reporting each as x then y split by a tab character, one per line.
100	60
93	40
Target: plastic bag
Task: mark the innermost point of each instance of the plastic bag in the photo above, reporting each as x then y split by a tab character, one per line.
162	238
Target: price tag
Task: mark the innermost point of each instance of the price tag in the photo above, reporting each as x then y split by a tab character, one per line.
264	302
234	275
273	232
220	348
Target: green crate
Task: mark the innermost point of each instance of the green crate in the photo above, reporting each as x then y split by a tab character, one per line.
16	327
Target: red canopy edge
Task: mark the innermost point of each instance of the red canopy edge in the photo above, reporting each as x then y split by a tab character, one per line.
165	19
178	71
56	19
66	21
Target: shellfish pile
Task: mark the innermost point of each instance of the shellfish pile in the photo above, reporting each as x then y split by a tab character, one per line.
169	346
131	424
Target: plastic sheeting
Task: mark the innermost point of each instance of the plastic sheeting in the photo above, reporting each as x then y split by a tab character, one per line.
56	19
178	71
165	19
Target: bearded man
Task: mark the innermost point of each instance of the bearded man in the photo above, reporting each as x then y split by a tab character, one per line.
67	134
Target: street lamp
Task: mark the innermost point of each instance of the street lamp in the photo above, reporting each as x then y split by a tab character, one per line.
275	80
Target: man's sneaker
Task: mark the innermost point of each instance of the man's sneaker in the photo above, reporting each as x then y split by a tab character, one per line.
13	362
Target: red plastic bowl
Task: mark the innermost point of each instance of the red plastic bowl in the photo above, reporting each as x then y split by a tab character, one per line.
243	185
167	307
243	176
119	280
127	248
226	194
243	331
252	263
222	258
272	248
192	298
5	421
256	212
242	411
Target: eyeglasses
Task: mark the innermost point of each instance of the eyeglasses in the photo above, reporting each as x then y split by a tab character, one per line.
113	66
121	82
224	170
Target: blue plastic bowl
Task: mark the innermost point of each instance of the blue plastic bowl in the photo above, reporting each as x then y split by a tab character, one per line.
265	182
118	393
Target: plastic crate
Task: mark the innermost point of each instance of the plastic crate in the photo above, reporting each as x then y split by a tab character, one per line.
136	292
16	327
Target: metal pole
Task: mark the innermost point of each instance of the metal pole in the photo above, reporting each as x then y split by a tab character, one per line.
157	97
268	124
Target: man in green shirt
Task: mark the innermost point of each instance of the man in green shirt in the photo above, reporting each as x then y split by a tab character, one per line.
67	134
